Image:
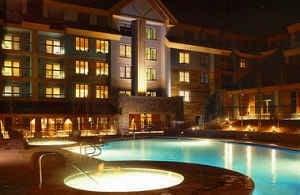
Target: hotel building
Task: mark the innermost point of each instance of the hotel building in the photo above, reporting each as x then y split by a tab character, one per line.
113	67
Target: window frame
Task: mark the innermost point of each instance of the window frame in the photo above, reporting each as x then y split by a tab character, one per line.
102	46
151	53
14	42
126	73
126	53
184	57
82	44
81	67
54	71
81	90
11	68
102	92
151	74
186	95
102	69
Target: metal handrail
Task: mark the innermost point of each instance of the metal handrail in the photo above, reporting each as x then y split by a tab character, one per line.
40	167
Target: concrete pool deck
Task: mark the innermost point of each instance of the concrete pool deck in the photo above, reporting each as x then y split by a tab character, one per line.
19	175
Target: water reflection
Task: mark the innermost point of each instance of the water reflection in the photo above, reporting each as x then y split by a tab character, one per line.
249	160
273	165
228	156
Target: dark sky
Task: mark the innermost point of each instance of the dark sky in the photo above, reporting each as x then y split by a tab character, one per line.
256	17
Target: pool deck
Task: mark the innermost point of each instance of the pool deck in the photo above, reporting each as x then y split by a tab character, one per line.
19	175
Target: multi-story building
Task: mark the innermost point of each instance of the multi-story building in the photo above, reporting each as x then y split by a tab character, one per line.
107	67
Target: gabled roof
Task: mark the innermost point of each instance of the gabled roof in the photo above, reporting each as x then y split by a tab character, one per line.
100	4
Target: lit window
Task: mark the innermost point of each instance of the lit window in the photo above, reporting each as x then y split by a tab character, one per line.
82	67
81	90
101	68
11	91
150	74
204	78
184	77
125	51
125	93
125	72
184	58
151	53
11	41
82	44
54	92
146	120
243	63
151	93
185	95
102	46
151	33
11	68
54	47
54	71
102	92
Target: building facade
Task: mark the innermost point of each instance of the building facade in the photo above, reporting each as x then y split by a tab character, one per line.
109	67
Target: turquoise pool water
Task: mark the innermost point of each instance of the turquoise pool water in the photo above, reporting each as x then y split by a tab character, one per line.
274	171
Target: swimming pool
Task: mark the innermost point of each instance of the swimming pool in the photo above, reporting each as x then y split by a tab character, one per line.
274	171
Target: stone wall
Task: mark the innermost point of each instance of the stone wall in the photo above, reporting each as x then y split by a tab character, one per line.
165	107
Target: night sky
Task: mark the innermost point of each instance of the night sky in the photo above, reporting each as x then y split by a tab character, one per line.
255	17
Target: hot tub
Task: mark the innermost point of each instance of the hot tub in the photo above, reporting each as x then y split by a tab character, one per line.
50	142
124	180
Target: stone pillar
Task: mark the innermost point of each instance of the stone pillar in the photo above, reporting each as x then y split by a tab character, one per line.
35	65
276	104
236	105
8	124
139	83
38	127
211	74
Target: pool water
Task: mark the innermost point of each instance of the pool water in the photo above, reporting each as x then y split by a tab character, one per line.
274	171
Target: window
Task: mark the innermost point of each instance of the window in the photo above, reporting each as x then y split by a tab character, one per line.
54	92
151	33
54	71
151	93
101	68
11	41
243	63
184	77
81	90
82	67
11	91
125	72
203	77
101	91
82	44
125	51
150	74
102	46
54	47
184	58
11	68
185	95
151	53
125	92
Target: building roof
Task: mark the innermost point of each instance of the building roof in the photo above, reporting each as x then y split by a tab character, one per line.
100	4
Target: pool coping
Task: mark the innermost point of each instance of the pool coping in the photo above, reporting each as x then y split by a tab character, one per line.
255	143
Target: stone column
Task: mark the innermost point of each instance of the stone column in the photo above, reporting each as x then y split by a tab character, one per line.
211	74
139	83
276	104
236	105
35	65
38	127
